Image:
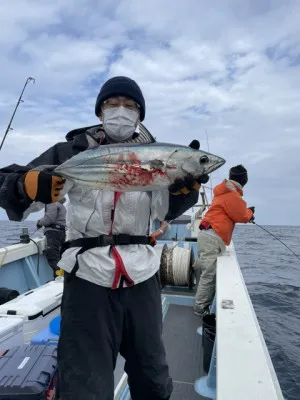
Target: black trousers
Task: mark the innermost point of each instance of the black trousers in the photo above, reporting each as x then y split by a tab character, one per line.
97	324
55	240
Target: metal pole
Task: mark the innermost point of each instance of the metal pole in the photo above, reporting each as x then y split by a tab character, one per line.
19	101
211	188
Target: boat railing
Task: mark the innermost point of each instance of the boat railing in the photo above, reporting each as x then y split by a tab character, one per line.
241	367
18	251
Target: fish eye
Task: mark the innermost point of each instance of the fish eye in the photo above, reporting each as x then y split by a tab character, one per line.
204	159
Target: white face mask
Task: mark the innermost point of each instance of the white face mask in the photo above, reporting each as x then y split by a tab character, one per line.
119	123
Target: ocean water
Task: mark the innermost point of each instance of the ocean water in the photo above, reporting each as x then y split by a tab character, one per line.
272	275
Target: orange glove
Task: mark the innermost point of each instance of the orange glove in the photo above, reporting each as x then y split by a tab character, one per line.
43	186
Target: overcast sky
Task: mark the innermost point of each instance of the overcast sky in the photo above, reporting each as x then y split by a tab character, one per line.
230	68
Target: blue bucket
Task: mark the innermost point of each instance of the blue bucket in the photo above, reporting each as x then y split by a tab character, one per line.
55	325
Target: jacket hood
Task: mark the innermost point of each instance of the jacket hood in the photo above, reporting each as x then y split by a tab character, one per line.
75	132
227	186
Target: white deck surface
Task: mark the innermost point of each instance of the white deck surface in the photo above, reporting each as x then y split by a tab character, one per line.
244	368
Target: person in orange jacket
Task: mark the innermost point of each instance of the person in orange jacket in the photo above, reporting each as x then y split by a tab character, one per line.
216	228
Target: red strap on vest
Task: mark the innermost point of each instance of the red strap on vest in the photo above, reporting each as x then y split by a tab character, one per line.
120	267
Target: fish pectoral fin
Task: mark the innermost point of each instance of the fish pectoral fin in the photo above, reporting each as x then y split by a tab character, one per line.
156	163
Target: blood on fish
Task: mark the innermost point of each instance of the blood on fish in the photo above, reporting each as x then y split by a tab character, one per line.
128	157
135	175
132	157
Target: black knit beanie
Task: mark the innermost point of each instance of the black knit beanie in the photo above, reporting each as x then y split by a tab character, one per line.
121	86
239	174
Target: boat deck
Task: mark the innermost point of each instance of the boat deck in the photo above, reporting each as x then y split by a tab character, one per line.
184	351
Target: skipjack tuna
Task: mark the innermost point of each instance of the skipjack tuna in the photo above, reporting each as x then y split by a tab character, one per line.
137	167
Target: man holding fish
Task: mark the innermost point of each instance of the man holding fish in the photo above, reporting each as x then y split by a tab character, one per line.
117	181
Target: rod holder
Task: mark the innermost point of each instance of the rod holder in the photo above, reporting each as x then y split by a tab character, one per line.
24	237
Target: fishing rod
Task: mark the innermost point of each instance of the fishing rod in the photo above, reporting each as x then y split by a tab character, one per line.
270	233
211	187
15	110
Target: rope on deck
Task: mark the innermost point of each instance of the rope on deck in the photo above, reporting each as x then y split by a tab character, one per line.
176	266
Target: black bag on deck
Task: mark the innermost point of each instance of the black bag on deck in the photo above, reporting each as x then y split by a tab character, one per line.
208	322
7	295
208	338
29	373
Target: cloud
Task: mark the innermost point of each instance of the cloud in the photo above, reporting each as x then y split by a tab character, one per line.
230	70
